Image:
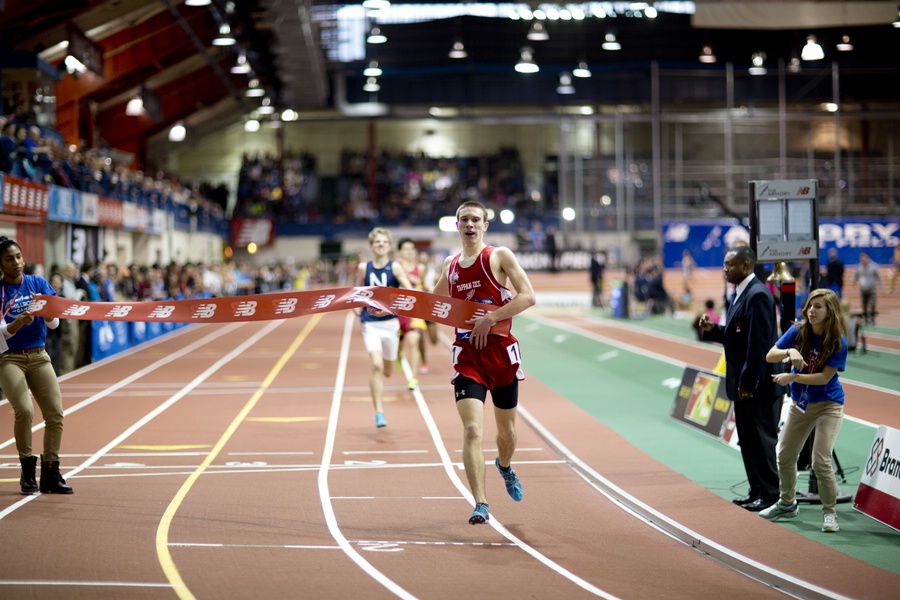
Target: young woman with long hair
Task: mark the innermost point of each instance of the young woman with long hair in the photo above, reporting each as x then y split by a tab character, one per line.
816	349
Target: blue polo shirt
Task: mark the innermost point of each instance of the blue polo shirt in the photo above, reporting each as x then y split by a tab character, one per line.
15	299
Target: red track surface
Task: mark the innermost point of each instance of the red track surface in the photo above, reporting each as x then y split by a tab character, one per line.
243	462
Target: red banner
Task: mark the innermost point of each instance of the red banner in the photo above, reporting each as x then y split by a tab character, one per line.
267	307
24	197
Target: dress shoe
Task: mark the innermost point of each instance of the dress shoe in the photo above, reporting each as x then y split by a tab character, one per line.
758	505
744	500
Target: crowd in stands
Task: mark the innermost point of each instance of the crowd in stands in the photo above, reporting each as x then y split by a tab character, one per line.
407	187
109	282
38	154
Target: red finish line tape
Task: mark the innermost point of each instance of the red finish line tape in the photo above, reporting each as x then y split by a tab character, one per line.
268	307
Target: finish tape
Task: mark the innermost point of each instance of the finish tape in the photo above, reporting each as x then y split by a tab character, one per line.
267	307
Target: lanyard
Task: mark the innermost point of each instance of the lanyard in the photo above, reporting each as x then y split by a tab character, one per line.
3	297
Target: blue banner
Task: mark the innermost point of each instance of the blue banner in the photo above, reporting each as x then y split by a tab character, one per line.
708	240
65	204
108	338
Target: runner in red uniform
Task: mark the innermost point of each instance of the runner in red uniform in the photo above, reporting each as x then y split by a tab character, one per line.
485	361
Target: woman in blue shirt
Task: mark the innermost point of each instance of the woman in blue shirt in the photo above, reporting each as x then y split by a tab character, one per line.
816	349
26	370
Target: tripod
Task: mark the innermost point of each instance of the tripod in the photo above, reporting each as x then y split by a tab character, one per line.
804	463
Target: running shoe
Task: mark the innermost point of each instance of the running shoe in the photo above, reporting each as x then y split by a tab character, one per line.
830	525
413	383
780	511
480	514
423	369
380	421
513	487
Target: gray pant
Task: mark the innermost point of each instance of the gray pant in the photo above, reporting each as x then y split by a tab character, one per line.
22	375
826	418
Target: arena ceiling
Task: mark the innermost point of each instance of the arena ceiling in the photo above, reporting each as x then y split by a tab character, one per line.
309	56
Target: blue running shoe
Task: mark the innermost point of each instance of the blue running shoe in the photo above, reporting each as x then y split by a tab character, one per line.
480	514
380	421
513	487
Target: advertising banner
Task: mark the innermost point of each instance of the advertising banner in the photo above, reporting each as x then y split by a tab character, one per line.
701	403
24	197
878	495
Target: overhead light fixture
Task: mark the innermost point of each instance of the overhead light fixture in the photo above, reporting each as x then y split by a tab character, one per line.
197	2
610	42
224	38
707	56
565	84
458	50
265	107
812	50
376	4
538	33
289	115
844	45
373	70
177	133
581	70
371	85
794	64
241	64
896	22
526	62
251	125
376	37
254	90
135	106
758	62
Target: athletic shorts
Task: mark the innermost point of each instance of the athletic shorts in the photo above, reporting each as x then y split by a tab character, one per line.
382	336
409	323
496	365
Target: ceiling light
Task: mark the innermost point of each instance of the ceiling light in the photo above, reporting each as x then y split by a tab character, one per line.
610	42
458	50
251	125
812	50
707	56
241	65
758	61
289	115
376	4
896	22
224	38
135	107
376	37
371	85
538	32
254	90
565	84
794	65
581	70
197	2
177	133
844	45
373	70
526	62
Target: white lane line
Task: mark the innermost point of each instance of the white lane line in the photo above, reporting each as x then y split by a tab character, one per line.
740	563
149	416
327	454
56	583
450	469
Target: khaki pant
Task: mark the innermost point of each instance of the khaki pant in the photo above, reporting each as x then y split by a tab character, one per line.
22	375
826	418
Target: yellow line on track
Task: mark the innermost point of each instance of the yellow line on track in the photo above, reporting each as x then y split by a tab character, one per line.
162	533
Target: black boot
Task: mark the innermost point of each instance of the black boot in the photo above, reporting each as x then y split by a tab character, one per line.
28	481
51	481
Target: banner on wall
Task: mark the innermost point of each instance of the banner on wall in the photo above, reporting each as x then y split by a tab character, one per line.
878	495
84	244
701	403
23	197
708	240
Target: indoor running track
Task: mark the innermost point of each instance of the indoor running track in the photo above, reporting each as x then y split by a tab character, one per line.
242	461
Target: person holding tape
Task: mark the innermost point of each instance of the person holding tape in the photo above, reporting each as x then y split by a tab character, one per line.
816	349
26	370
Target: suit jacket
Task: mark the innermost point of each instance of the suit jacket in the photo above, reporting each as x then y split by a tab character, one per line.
747	335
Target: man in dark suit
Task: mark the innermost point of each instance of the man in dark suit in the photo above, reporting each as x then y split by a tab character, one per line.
748	333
